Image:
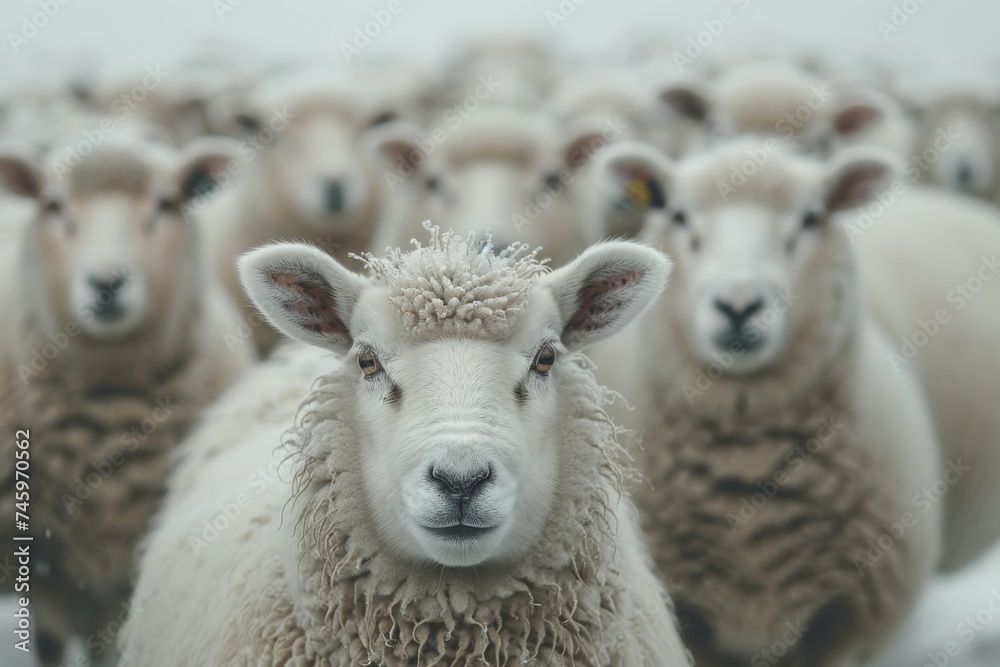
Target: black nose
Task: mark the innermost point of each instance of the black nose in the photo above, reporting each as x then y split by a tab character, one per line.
964	174
736	316
333	194
107	284
461	486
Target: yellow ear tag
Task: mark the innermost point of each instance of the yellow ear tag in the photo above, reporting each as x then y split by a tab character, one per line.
638	190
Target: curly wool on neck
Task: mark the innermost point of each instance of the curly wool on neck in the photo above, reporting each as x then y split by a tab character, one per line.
455	283
561	599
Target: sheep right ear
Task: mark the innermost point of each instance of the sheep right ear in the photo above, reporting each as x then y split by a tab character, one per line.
19	175
634	177
855	176
605	288
688	98
303	292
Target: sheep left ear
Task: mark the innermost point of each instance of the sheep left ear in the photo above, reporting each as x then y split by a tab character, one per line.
202	163
605	288
303	292
855	176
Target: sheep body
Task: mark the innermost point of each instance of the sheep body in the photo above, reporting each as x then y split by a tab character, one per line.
919	257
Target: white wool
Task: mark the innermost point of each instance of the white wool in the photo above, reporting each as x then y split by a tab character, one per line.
435	291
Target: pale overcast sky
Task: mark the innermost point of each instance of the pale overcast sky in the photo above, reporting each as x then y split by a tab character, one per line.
132	34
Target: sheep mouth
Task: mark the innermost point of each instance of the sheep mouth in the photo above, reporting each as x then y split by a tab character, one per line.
460	531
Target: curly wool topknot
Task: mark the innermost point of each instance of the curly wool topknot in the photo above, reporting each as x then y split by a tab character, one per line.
457	284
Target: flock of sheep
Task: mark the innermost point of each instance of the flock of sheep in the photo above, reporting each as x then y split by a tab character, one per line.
443	466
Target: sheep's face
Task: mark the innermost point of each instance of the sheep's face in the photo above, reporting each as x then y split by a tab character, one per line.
959	144
461	460
312	160
109	248
460	431
749	256
483	176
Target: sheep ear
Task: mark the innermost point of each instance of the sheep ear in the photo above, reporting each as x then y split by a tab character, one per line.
605	288
19	175
688	99
637	172
202	161
303	292
633	177
856	117
855	176
394	146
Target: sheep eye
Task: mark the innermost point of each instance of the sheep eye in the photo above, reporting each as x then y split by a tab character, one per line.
433	183
680	218
383	118
810	220
551	181
53	206
369	363
544	360
167	205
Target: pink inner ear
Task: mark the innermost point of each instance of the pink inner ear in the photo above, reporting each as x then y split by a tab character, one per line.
600	298
854	188
309	301
855	118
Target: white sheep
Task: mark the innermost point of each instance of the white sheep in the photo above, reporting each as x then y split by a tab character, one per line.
783	100
784	454
522	177
522	69
112	341
935	289
301	173
958	132
451	491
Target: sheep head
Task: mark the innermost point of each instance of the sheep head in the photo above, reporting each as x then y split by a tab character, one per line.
764	269
453	353
110	248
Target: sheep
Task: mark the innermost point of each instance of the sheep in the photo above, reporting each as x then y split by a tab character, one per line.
958	132
452	486
521	68
932	255
519	176
779	444
779	99
303	173
112	342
